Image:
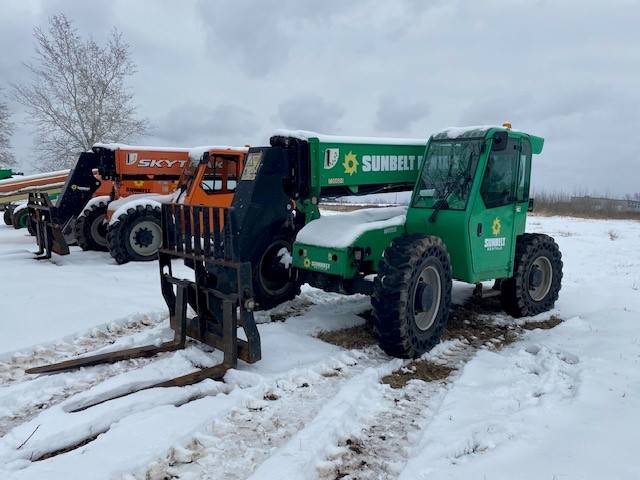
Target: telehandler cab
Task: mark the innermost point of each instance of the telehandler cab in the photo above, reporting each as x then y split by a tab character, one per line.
465	221
133	223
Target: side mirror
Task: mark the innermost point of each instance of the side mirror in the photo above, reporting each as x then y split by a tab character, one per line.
531	204
499	141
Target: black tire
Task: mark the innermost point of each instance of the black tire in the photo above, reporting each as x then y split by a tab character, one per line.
19	218
7	216
135	231
402	293
91	228
529	292
273	283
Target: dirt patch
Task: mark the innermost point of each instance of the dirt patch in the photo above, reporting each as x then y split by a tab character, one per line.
360	336
292	310
552	321
471	321
417	370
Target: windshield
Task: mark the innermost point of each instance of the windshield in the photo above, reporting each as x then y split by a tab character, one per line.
447	174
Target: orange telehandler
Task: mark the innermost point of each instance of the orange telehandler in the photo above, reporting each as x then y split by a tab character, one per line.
127	221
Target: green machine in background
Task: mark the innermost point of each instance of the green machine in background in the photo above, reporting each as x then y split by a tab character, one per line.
465	221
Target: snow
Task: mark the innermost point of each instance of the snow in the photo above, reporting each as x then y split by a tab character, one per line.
341	230
36	176
20	205
559	403
95	201
139	148
306	135
196	153
119	207
457	132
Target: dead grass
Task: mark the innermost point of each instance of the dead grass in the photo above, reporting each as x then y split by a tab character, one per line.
417	370
471	321
360	336
292	310
552	321
583	206
613	235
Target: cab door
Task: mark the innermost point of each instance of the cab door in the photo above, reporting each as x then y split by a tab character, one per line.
492	220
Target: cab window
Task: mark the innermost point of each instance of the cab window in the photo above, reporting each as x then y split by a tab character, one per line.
524	172
500	176
220	175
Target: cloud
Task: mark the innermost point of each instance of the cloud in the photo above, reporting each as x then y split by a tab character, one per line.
201	125
233	71
396	114
259	34
310	112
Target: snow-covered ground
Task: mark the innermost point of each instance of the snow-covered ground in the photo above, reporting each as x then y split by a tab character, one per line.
562	403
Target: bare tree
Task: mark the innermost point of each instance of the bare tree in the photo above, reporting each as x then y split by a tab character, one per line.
78	94
6	130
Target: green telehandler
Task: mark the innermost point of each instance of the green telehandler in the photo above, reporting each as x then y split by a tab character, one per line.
465	221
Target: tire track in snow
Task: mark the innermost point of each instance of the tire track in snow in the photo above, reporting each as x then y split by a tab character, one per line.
24	396
13	370
233	448
382	448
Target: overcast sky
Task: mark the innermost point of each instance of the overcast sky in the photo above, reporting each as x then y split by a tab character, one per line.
230	72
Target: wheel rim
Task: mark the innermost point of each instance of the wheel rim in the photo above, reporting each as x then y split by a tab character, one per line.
540	278
274	276
144	238
426	297
99	230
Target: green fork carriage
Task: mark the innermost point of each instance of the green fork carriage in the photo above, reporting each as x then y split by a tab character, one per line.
465	221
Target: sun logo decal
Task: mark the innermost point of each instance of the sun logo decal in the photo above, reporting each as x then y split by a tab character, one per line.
138	183
496	227
306	263
350	163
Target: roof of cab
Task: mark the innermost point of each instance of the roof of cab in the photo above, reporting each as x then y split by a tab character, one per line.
482	131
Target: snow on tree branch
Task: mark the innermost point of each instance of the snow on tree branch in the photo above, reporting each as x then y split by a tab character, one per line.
78	95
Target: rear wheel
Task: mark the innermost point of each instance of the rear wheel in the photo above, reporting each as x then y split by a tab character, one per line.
412	295
136	236
274	281
91	228
19	218
537	276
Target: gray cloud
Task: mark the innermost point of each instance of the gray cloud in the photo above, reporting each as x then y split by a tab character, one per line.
396	114
202	125
310	112
568	71
262	33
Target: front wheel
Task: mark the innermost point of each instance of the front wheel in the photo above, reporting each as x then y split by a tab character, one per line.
274	281
537	277
91	227
412	295
136	236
